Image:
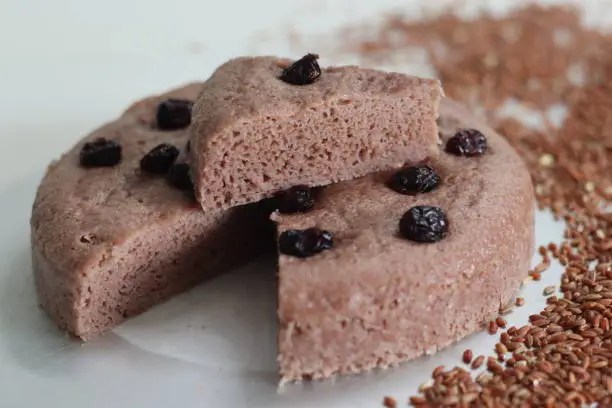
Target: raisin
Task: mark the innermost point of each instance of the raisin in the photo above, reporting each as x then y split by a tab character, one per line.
304	243
424	223
179	177
100	153
296	199
412	180
467	142
174	114
159	159
304	71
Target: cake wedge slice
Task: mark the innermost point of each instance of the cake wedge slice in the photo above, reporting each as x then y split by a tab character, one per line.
111	239
264	124
399	264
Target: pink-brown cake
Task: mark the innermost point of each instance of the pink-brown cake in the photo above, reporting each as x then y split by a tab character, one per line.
110	242
254	133
376	298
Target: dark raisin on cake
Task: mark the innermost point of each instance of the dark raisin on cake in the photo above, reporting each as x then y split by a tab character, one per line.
415	179
174	114
179	177
304	71
159	159
294	200
100	153
304	243
424	223
467	142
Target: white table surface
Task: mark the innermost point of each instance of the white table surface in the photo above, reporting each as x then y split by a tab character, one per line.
66	66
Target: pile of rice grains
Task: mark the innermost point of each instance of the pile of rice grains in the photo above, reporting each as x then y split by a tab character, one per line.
540	58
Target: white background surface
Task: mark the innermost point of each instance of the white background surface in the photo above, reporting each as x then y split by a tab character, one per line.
66	66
